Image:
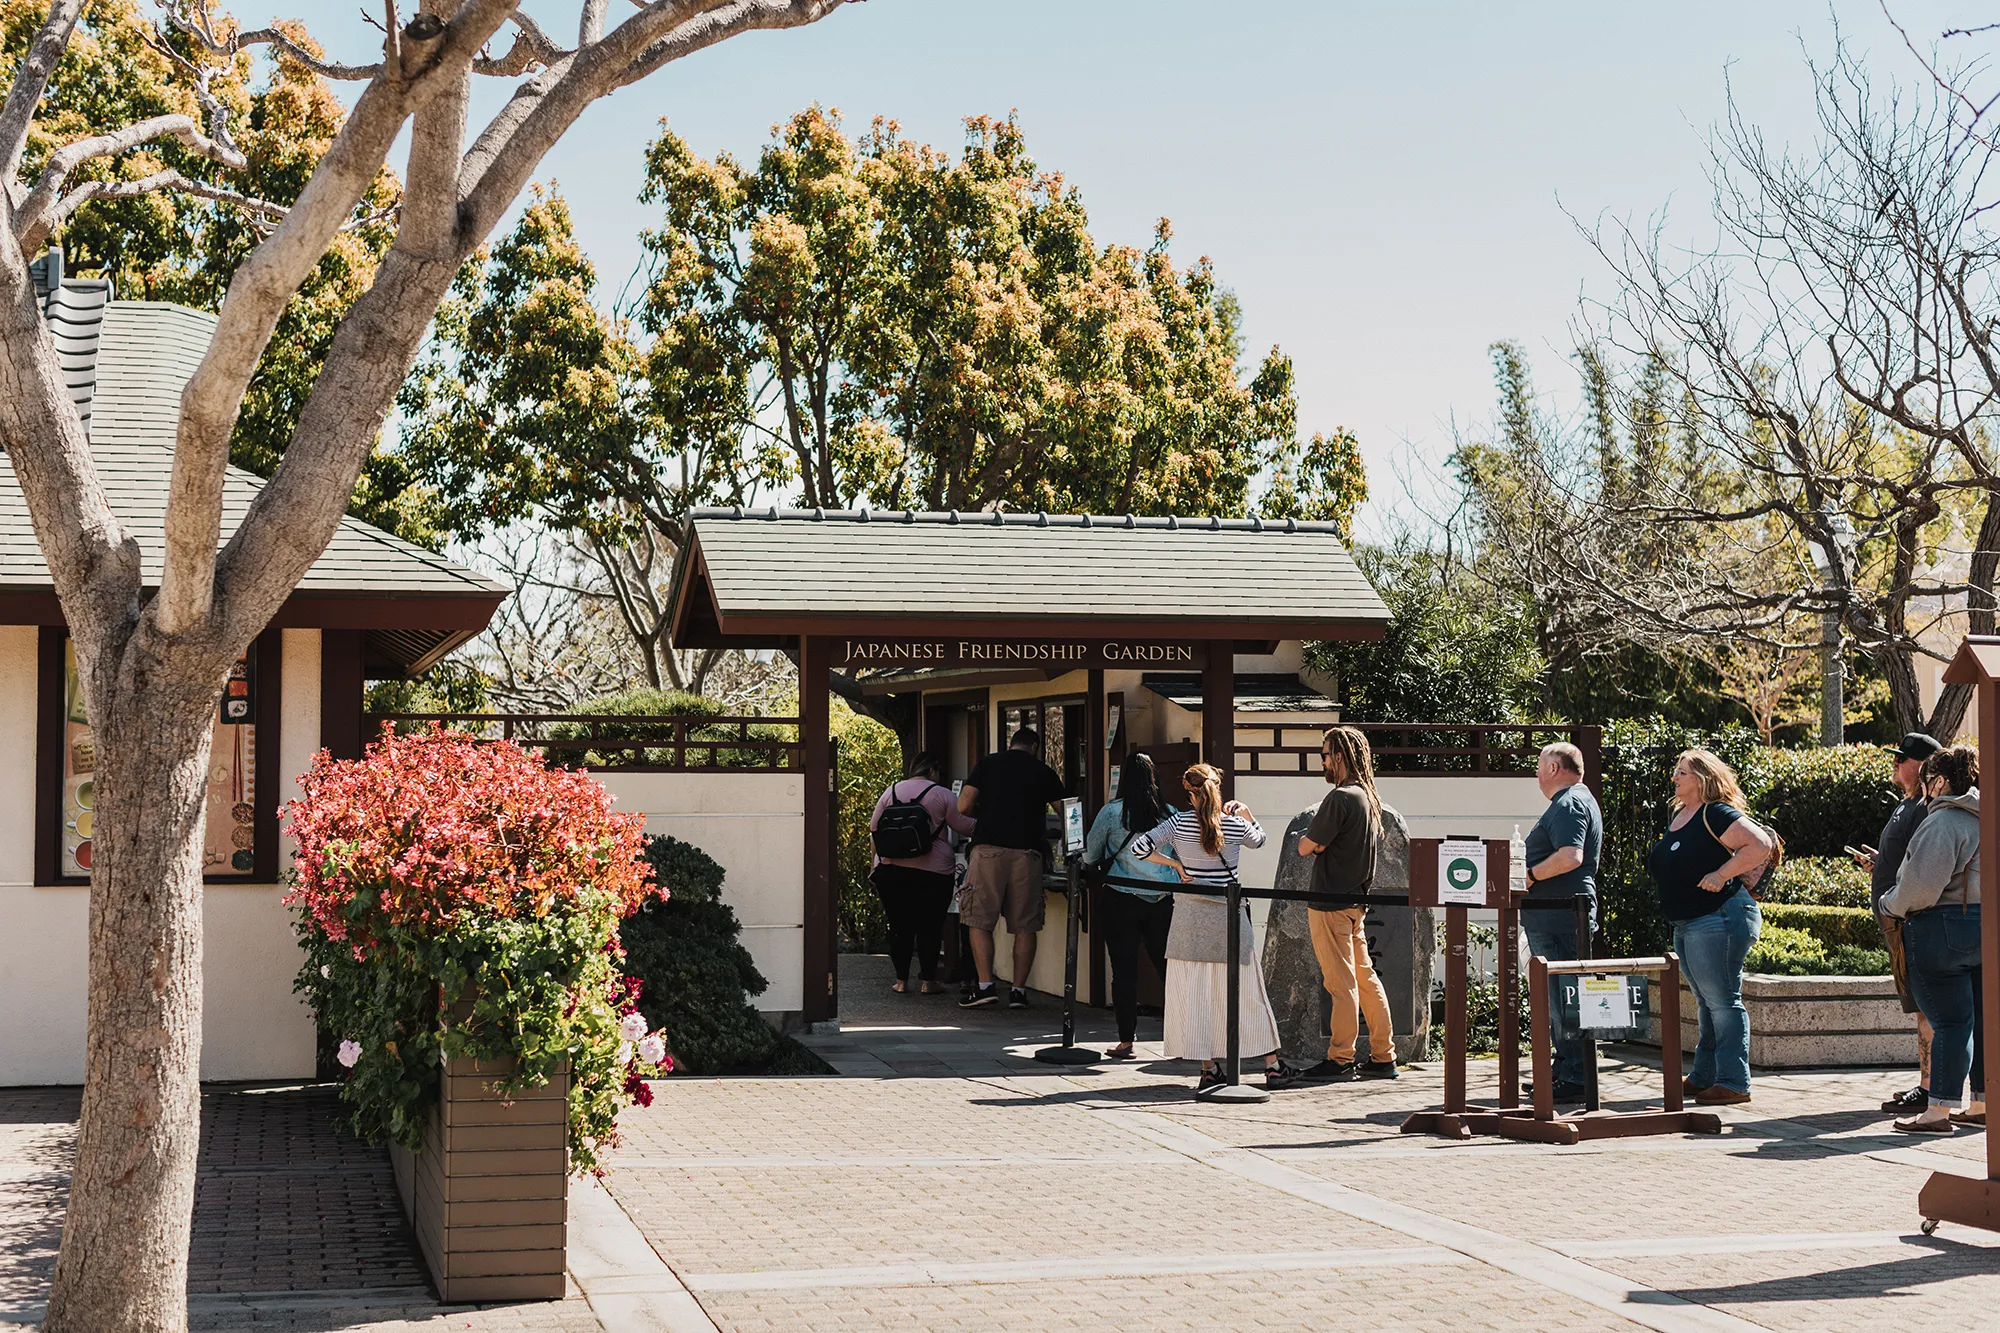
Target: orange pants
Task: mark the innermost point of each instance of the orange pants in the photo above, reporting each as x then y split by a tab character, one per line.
1349	977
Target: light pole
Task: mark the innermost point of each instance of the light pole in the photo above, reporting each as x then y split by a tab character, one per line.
1831	565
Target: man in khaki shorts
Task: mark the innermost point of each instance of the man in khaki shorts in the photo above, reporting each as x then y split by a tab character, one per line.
1009	792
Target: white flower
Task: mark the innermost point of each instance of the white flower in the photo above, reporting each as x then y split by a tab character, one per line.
653	1050
632	1026
624	1052
325	970
350	1052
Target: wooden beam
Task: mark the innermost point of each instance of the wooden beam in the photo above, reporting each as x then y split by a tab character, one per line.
819	946
340	687
1218	714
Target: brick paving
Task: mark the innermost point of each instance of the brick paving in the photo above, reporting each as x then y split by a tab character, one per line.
948	1180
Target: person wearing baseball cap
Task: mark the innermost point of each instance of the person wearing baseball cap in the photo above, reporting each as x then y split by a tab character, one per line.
1882	863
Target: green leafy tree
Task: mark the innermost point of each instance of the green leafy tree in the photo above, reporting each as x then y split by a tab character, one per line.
184	245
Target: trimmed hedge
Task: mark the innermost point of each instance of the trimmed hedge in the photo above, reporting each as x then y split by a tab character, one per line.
1820	800
1786	952
1831	926
1817	881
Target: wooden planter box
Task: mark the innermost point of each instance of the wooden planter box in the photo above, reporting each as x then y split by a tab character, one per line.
489	1194
1813	1022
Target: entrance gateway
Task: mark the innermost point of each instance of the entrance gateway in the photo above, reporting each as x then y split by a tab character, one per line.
1105	634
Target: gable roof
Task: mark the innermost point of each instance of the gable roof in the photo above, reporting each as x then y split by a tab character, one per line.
766	576
125	363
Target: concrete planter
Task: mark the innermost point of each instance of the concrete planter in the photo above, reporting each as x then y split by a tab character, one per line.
1813	1022
489	1194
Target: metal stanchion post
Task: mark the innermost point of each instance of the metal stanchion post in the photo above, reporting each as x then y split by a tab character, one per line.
1232	1089
1069	1053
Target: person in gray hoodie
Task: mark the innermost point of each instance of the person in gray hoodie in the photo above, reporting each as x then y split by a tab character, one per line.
1937	899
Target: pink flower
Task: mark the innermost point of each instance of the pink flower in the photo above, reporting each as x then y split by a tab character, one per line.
653	1050
632	1026
350	1053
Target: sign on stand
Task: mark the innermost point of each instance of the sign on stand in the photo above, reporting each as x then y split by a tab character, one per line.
1461	873
1072	812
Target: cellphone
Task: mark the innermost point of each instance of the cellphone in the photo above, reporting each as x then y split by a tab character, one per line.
1856	851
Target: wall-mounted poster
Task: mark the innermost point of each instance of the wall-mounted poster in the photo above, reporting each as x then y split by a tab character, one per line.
231	848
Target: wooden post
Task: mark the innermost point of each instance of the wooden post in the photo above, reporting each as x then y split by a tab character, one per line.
1507	984
1670	1031
1538	1024
1097	788
1218	714
820	948
1454	1010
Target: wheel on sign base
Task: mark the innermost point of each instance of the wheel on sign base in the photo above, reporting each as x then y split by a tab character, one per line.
1930	1226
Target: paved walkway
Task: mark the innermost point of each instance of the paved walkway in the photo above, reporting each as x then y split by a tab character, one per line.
950	1181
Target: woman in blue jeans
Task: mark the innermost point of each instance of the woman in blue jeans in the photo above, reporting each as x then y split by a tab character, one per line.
1937	898
1698	867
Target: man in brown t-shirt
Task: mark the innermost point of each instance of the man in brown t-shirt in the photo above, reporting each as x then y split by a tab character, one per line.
1342	840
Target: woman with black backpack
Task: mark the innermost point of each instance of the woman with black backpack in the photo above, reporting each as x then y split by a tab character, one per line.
913	869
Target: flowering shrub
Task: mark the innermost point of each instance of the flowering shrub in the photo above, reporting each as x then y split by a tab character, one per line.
461	898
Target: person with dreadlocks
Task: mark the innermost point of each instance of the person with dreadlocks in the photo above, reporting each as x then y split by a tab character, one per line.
1207	839
1342	840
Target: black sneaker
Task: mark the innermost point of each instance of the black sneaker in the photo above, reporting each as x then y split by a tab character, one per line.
1210	1078
1330	1071
1379	1069
985	995
1909	1103
1564	1093
1280	1075
1017	998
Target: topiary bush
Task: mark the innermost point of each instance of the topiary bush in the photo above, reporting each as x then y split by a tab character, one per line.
698	978
1817	881
462	898
1822	799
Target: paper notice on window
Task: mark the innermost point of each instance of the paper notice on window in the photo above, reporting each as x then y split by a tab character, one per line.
1603	1002
1462	872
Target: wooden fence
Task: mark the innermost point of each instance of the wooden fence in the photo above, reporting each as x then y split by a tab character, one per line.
1419	749
628	743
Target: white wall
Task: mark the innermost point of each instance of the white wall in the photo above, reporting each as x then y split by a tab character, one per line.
754	824
253	1026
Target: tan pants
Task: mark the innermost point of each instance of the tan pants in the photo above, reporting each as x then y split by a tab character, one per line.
1349	976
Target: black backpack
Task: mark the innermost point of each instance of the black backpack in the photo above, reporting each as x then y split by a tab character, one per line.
905	831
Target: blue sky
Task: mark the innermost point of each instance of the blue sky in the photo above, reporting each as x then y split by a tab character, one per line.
1383	185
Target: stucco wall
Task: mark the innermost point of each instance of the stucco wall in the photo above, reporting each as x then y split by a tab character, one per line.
253	1026
753	823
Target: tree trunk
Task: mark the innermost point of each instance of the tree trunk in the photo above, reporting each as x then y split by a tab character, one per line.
131	1201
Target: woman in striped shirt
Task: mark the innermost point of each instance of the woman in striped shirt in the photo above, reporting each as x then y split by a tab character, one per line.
1208	839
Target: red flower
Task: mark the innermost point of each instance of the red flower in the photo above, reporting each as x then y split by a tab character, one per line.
638	1089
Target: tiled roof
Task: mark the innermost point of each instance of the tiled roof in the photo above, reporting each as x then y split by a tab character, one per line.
126	362
767	566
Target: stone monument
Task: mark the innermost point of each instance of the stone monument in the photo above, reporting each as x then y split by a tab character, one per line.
1400	944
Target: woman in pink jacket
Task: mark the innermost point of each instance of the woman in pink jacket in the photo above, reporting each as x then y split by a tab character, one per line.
916	889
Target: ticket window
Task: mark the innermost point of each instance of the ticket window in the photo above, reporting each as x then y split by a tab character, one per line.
1065	734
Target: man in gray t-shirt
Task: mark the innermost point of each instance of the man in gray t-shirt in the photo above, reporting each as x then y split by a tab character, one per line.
1562	867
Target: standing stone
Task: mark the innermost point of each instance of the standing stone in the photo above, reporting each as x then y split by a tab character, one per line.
1291	971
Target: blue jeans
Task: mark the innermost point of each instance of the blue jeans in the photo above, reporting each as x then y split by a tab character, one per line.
1942	946
1712	949
1552	935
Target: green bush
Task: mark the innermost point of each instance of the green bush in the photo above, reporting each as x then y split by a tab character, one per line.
1817	881
1787	952
697	975
869	758
1821	800
1831	926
